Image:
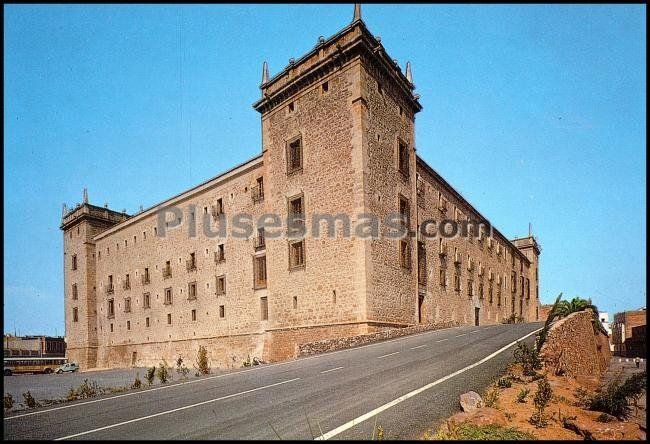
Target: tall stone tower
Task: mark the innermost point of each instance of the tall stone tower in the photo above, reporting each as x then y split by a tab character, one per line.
333	124
79	226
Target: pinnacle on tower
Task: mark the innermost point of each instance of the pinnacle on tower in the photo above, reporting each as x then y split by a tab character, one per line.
357	12
265	73
409	74
65	209
85	195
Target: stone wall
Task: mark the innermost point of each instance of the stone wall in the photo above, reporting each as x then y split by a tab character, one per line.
573	347
327	345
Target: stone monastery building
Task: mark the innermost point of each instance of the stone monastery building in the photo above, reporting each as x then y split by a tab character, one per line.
338	137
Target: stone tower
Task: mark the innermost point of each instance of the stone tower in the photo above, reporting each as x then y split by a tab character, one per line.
79	226
333	123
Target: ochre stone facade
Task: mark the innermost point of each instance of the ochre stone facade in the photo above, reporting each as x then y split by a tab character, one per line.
348	111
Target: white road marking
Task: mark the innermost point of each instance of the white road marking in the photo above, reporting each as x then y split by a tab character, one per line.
389	354
442	340
331	370
475	331
174	410
458	336
420	346
390	404
402	338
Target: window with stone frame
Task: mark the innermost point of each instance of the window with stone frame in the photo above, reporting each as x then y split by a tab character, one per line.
191	291
470	287
259	271
194	315
296	215
527	288
169	318
127	305
168	296
146	300
222	311
443	277
405	253
264	308
422	264
405	212
403	158
297	254
75	314
221	285
294	155
457	282
74	261
75	294
111	308
220	254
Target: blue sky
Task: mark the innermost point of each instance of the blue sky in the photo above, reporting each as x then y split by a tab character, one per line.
534	113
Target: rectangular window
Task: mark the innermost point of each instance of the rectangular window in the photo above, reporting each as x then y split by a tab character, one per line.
109	287
422	264
260	240
470	287
169	318
146	300
218	210
220	254
294	156
127	305
513	282
257	192
168	296
443	277
75	314
193	315
146	279
190	264
167	270
404	211
128	325
403	158
146	322
221	285
325	87
259	271
111	328
527	288
264	309
191	291
75	295
74	261
127	283
296	211
222	311
405	253
297	254
295	302
456	282
111	308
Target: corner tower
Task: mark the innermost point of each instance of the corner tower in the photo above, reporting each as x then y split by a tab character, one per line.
79	226
333	122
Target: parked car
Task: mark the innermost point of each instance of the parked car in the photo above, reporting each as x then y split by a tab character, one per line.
68	367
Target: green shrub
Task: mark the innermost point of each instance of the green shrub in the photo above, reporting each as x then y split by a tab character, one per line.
30	402
521	396
491	398
583	397
528	357
71	395
469	432
150	375
9	401
202	361
137	383
541	399
616	397
163	372
504	383
181	369
88	389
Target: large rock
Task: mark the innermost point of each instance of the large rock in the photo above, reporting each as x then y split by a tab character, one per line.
470	401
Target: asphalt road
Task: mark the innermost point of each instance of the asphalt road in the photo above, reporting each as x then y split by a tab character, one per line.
406	385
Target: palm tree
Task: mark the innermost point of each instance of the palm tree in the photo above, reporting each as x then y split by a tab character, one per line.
565	308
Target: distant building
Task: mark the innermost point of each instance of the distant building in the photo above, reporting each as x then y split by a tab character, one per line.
37	346
544	311
628	333
604	319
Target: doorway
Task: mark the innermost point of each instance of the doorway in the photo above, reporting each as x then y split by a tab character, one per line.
420	302
134	357
477	311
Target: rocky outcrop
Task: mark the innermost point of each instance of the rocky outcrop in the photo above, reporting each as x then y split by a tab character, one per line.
470	401
326	345
575	348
